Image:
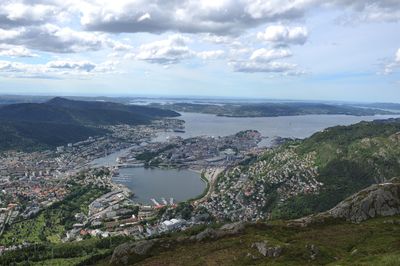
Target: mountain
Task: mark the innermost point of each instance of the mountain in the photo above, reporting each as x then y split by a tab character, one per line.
333	240
60	121
309	176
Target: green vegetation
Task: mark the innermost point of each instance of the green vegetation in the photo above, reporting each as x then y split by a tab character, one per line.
32	126
84	252
51	223
270	109
374	242
349	159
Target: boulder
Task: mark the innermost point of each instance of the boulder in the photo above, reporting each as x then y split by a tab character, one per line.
266	251
123	252
376	200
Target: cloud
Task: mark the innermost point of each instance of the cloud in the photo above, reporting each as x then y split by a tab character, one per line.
369	10
72	65
268	67
170	51
222	17
283	35
267	61
52	38
393	64
210	55
57	69
16	13
265	55
15	51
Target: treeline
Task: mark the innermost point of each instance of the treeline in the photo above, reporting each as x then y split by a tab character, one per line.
90	250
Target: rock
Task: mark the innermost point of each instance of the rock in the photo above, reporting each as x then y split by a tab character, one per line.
314	251
225	230
266	251
234	228
376	200
208	233
122	253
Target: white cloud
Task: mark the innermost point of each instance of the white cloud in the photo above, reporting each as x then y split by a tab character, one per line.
393	64
265	55
15	51
209	55
57	69
52	38
72	65
170	51
369	10
17	13
268	67
265	60
284	35
144	17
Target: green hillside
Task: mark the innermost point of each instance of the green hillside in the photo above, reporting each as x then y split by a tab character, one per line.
30	126
308	176
272	109
348	159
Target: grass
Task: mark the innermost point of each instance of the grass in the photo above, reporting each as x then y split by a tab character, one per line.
374	242
370	243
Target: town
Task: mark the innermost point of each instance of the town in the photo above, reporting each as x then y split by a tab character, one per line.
32	182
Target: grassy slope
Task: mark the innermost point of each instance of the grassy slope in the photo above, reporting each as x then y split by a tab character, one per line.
338	243
349	158
374	242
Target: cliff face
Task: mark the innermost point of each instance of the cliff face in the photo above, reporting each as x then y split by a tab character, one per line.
374	201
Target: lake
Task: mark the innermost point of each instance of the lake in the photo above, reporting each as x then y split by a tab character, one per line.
284	126
184	184
147	183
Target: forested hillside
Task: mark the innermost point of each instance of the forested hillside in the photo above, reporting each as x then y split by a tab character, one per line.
28	126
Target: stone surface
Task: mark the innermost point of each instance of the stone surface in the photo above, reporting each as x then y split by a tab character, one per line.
266	250
123	252
378	200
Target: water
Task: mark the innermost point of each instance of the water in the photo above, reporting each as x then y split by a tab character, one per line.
157	183
110	159
184	184
284	126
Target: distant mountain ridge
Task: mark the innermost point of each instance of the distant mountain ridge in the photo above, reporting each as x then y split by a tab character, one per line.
59	121
273	109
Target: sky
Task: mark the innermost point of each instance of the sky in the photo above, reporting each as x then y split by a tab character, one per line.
345	50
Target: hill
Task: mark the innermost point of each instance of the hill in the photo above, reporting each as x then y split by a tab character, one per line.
60	121
324	239
309	176
273	109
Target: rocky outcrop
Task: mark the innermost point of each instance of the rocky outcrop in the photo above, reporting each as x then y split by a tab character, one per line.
374	201
124	252
226	230
266	250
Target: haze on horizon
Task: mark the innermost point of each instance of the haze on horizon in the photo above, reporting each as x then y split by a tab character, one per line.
347	50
